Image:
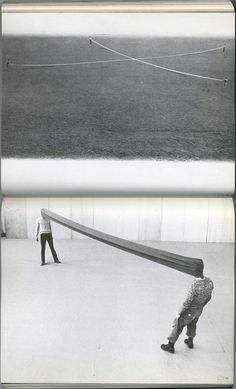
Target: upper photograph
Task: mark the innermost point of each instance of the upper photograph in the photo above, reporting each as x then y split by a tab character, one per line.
118	86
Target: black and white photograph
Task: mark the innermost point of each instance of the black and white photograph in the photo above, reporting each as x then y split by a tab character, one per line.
146	297
118	102
117	174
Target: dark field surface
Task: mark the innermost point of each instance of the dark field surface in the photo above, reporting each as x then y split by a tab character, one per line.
123	110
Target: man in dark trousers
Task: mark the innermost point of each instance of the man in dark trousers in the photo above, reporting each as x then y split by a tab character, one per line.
198	296
43	228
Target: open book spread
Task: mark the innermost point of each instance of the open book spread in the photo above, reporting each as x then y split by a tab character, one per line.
117	166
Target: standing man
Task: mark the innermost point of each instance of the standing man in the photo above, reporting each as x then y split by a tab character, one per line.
199	295
43	228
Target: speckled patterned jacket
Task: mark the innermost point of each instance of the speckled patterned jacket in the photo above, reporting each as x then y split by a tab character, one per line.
198	295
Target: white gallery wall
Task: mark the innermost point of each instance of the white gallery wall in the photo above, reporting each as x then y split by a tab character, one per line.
161	219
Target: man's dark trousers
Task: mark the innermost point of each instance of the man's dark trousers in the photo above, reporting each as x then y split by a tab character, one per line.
47	238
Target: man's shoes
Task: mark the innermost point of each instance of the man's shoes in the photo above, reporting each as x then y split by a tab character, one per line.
43	263
189	342
57	261
168	347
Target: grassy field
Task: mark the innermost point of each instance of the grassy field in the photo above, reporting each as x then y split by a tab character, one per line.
123	110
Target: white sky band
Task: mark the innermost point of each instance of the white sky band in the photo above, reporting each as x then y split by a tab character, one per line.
206	25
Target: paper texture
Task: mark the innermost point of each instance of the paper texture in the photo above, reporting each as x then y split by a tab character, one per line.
118	103
120	118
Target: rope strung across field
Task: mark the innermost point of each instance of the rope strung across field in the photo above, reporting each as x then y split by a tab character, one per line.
42	65
224	80
192	266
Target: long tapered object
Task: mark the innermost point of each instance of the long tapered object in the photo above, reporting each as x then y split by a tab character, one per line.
192	266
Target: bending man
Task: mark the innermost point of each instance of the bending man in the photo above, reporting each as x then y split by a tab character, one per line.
43	228
199	295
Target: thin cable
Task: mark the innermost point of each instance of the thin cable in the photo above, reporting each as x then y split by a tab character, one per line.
25	65
159	67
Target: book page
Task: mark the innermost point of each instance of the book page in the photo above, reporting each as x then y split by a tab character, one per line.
102	314
118	167
117	102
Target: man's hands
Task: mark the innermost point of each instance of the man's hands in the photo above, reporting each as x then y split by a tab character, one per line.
37	238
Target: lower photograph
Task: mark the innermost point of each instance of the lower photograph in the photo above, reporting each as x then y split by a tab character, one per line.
117	291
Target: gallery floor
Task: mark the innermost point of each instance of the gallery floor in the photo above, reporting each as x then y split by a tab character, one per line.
101	315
